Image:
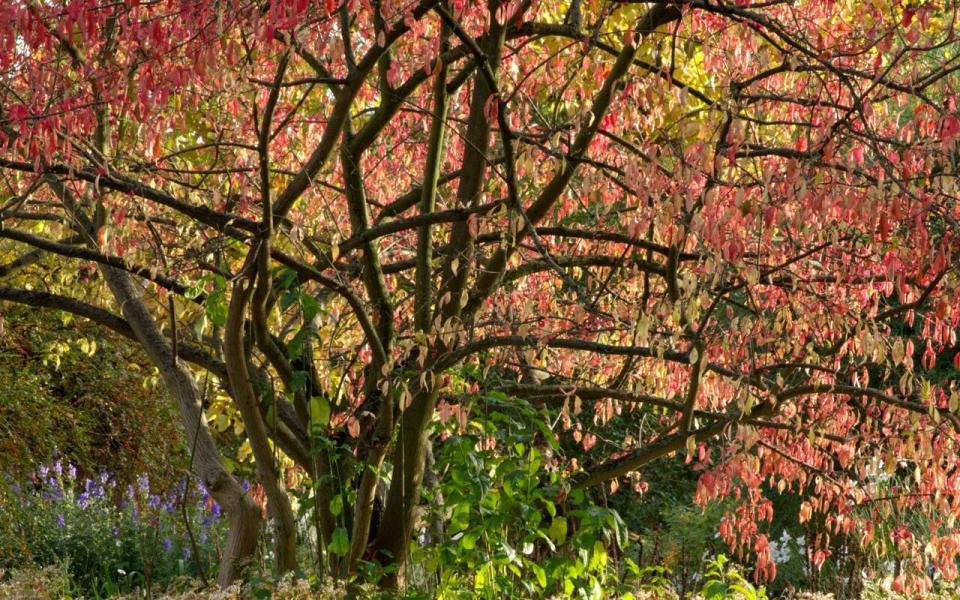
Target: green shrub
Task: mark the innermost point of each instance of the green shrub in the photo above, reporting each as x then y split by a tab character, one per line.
513	529
73	392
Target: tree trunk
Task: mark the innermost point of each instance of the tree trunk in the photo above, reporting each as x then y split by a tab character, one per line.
244	395
243	514
396	529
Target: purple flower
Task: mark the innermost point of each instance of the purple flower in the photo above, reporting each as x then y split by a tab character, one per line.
245	485
167	544
83	500
61	522
215	510
154	501
143	482
93	489
58	468
104	478
71	471
53	492
43	470
185	553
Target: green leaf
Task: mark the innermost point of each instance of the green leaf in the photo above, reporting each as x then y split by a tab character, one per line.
746	590
340	542
545	538
714	590
540	574
295	346
286	277
288	299
469	541
336	505
197	288
558	530
215	306
319	412
310	306
598	560
298	380
482	579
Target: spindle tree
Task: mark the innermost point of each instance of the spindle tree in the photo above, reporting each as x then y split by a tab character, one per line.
731	225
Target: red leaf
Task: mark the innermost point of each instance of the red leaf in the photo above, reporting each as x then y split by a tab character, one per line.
949	128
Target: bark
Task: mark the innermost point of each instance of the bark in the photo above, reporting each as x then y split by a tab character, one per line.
235	356
409	459
243	514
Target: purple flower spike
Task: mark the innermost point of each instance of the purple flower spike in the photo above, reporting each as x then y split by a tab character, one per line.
61	522
167	544
143	482
71	471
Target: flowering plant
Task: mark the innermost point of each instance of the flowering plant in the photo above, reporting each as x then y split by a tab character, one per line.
113	538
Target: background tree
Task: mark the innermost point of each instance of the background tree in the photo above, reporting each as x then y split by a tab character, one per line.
697	217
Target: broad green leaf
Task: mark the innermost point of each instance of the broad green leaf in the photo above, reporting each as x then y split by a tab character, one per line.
558	530
340	542
540	574
319	412
469	541
215	307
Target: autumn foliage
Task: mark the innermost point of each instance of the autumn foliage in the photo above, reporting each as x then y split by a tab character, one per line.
732	225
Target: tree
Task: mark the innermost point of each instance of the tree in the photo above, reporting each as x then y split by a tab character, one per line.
703	216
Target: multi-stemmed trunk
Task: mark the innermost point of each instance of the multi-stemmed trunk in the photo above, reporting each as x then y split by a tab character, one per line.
242	514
